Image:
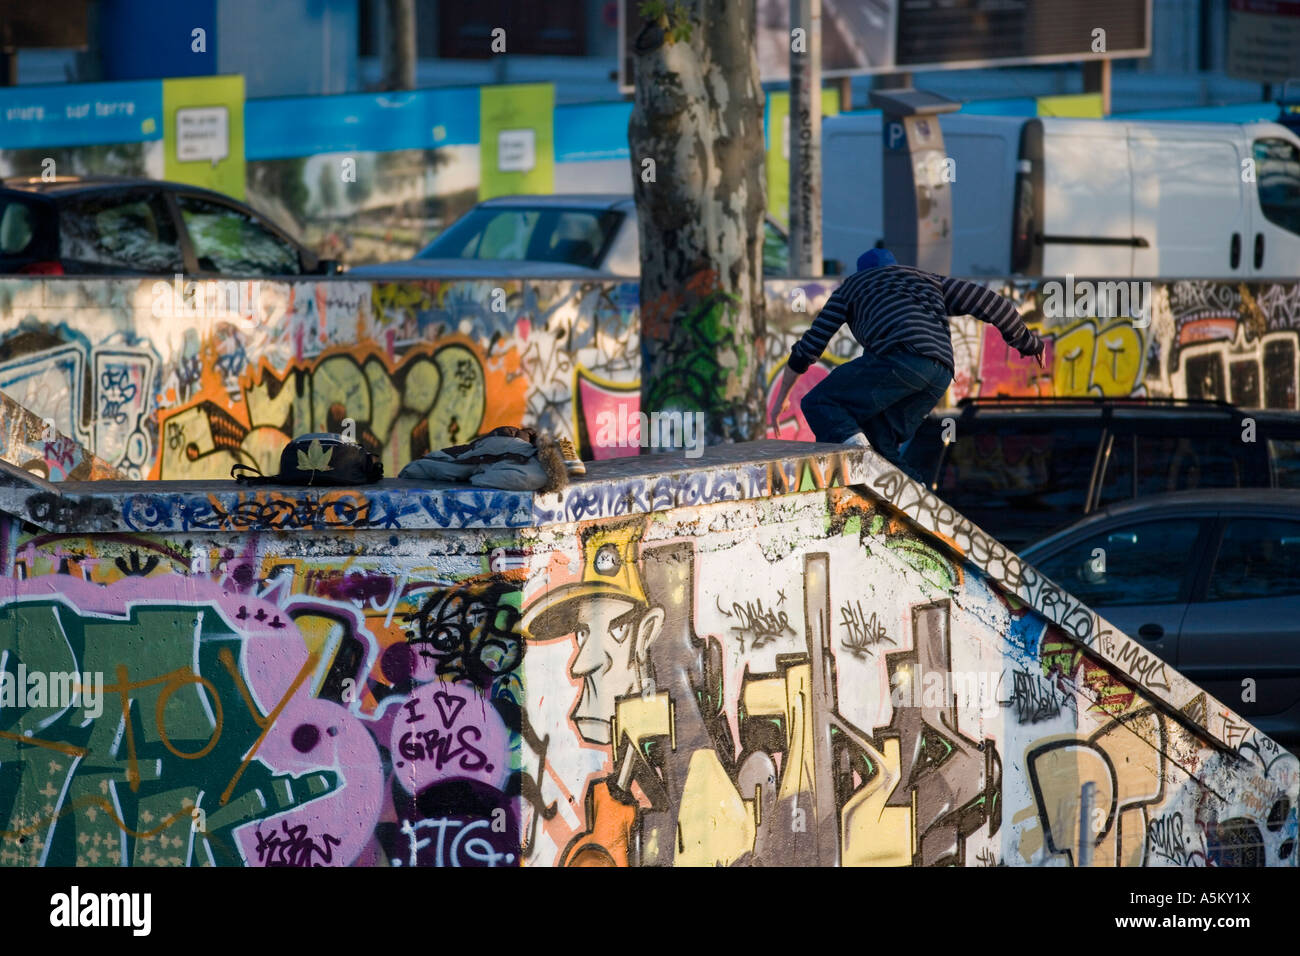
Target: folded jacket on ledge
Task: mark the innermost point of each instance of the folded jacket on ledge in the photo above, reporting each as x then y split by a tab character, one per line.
514	459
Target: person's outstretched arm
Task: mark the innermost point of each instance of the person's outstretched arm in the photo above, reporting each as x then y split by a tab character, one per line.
962	297
810	347
813	343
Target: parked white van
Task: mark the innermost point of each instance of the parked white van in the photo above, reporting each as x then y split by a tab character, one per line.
1048	196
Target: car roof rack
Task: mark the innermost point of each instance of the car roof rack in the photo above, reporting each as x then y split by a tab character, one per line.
1097	400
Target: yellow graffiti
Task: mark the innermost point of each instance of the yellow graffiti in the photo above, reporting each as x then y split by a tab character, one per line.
430	399
871	833
1124	763
715	825
1088	361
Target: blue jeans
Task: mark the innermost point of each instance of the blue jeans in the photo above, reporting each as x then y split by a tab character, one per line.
886	397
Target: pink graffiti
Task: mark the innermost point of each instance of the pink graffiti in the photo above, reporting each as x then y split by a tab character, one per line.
311	735
61	456
447	731
1208	330
792	426
1004	372
598	400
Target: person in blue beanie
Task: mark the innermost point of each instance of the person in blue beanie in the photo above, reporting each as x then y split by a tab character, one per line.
899	315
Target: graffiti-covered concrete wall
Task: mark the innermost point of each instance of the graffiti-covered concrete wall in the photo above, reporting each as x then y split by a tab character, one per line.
773	654
1234	341
176	380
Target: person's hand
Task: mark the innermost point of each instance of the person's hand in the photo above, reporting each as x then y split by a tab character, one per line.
788	378
1040	355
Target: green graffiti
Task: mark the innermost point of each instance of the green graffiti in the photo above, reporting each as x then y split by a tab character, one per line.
925	560
120	787
685	371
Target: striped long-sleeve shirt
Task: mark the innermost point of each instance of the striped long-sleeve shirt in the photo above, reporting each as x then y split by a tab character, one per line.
898	307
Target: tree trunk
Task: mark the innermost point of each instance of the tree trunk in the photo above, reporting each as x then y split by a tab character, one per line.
696	142
399	45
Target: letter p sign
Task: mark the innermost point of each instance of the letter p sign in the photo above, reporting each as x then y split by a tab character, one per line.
895	136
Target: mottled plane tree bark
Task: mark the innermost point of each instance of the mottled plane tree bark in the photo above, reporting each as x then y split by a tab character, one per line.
696	142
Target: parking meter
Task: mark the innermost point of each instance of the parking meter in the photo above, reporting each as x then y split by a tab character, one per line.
917	178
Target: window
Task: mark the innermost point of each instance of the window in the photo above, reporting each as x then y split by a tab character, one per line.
505	236
1117	482
624	256
575	237
1204	376
17	227
231	242
1143	563
1243	383
1259	558
1176	463
135	233
1284	460
556	27
577	240
1023	227
1277	173
1033	470
371	16
1279	374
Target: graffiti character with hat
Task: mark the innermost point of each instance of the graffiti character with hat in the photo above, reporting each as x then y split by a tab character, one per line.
612	621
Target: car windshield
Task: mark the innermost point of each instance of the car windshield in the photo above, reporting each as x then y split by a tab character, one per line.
576	237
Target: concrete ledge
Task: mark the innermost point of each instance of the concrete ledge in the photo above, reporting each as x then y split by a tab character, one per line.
610	488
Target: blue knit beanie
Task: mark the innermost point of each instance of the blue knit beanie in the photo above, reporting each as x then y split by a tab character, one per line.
875	258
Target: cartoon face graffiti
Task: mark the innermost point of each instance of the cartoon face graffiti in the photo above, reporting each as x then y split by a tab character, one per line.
610	619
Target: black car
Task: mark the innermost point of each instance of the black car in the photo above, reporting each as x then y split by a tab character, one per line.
1024	468
1208	581
121	226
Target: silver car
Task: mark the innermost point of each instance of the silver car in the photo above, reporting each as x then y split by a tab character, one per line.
539	236
1208	580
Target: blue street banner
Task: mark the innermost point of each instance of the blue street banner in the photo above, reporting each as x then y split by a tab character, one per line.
286	127
81	115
